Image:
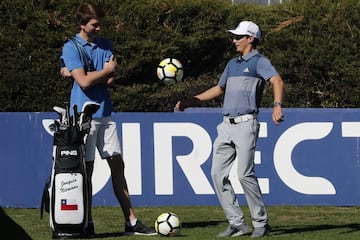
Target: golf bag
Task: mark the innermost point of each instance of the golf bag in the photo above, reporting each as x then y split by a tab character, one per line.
65	194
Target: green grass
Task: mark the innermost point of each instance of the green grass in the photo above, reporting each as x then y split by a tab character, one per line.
203	222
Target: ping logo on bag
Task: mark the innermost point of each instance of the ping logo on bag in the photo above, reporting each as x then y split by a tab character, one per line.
69	153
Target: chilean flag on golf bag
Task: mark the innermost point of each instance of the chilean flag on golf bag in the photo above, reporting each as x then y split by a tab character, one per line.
69	204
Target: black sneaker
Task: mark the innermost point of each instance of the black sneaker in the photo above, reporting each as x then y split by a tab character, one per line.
261	231
234	231
139	229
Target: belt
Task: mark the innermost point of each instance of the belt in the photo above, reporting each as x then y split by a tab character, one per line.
239	119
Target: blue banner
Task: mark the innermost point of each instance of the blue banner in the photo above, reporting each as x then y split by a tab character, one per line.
312	158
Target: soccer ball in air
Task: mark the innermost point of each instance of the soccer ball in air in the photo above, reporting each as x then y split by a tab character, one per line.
170	71
167	224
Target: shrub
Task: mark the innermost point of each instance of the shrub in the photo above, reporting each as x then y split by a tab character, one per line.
314	46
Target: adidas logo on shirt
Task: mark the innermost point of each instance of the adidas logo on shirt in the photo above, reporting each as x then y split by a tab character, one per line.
246	70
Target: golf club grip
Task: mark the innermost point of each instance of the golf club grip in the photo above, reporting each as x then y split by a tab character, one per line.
67	109
75	117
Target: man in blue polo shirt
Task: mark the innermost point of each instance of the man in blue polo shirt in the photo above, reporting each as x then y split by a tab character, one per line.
92	76
242	82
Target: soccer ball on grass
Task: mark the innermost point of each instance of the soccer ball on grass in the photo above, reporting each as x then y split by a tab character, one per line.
170	71
168	224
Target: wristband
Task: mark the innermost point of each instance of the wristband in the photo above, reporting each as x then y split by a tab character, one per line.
277	104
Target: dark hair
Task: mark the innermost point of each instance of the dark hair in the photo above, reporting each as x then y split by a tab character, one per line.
88	11
255	42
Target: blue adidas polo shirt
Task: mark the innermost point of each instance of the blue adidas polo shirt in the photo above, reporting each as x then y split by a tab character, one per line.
243	80
100	51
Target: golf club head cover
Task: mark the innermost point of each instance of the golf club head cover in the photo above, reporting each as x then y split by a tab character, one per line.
189	101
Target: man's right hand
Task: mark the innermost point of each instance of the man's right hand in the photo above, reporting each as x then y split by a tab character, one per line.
64	72
187	102
111	65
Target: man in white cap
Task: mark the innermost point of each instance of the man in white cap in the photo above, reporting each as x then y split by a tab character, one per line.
242	82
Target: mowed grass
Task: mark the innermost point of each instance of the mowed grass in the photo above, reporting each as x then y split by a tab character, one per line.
205	222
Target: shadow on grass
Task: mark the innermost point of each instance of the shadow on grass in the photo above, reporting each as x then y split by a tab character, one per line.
109	235
200	224
9	227
348	228
183	225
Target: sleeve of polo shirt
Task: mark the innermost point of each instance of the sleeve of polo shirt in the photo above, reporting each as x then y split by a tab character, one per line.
107	46
71	57
223	77
265	69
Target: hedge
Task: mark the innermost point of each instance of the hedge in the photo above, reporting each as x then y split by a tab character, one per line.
313	44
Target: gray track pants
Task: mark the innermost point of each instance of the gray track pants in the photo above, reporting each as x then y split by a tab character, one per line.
237	140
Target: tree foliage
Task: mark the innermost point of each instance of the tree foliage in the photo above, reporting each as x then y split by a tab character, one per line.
313	44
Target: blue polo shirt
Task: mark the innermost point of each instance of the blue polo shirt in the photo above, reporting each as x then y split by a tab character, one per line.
100	51
243	80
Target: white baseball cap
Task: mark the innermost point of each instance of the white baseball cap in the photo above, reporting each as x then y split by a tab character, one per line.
247	28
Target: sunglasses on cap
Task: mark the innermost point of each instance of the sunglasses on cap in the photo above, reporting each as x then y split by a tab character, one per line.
238	37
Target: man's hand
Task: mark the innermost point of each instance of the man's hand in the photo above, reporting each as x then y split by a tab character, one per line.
277	115
64	72
111	65
110	81
187	102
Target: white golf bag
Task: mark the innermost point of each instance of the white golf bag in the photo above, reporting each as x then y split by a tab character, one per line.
65	195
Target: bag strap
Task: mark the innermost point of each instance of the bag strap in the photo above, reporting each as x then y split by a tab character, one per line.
45	199
84	56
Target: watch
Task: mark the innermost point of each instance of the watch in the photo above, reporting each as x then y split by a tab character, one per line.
277	104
